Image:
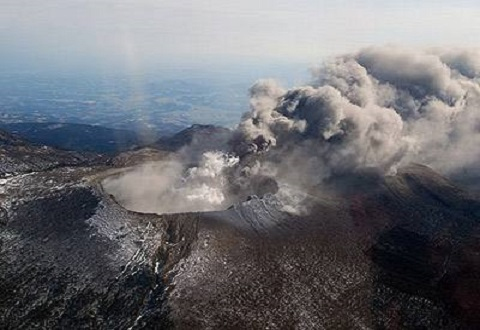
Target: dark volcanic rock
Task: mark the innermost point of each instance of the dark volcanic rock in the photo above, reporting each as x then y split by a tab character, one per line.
385	258
424	253
401	254
71	260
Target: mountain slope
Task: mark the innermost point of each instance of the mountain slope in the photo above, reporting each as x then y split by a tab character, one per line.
400	254
78	137
205	135
20	156
394	256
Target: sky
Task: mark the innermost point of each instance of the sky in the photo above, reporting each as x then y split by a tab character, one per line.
134	34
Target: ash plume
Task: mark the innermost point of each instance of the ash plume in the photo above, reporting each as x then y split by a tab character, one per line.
376	109
380	108
171	187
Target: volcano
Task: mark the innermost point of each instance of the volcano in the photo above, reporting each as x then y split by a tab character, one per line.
334	205
400	251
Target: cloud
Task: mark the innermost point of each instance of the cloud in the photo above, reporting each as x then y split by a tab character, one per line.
169	186
379	108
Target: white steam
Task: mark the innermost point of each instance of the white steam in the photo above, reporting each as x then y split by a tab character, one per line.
376	109
168	187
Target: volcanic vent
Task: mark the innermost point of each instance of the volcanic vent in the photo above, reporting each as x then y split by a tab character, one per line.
379	108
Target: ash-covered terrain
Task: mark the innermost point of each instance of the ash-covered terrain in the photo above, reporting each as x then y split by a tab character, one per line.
403	254
331	206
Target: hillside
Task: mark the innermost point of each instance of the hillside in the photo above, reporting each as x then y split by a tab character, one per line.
78	137
20	156
71	257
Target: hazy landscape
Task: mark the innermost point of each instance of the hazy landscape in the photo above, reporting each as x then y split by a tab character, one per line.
218	165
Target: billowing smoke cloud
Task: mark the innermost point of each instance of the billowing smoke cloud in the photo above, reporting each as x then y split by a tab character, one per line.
377	109
380	107
169	187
